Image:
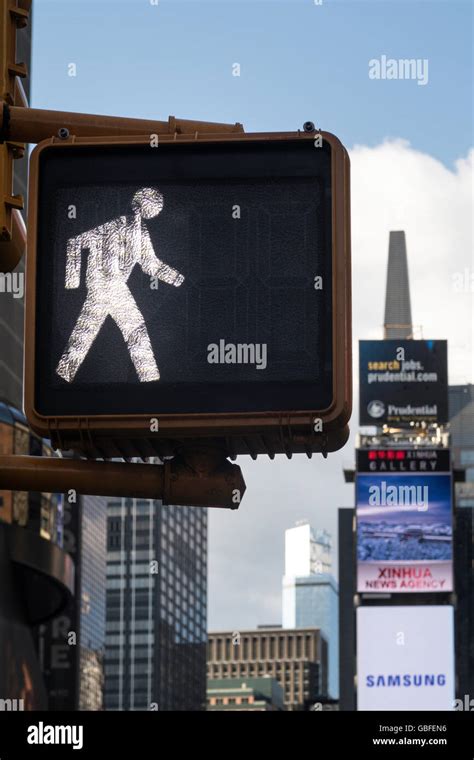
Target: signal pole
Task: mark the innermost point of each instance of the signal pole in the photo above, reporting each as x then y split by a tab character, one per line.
203	478
14	15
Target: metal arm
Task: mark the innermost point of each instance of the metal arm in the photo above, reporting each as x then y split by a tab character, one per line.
200	478
32	125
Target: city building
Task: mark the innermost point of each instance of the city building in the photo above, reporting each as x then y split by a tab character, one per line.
91	685
37	574
310	593
296	658
347	586
247	694
156	617
461	415
91	600
461	428
74	675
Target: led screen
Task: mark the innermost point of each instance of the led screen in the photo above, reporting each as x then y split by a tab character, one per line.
184	278
403	382
404	532
405	658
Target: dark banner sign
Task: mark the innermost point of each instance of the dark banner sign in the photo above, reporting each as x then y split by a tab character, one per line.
403	460
403	382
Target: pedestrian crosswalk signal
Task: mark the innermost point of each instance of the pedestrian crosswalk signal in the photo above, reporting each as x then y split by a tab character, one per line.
189	288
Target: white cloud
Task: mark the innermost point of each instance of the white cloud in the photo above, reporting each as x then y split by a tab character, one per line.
394	187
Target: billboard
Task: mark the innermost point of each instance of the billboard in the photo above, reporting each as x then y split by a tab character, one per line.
404	521
405	658
403	381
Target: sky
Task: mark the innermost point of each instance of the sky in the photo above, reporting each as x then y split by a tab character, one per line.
411	148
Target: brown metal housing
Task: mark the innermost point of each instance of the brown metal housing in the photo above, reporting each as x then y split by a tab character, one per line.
178	481
35	124
13	16
287	431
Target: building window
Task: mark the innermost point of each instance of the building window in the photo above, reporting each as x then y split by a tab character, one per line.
272	647
467	456
254	647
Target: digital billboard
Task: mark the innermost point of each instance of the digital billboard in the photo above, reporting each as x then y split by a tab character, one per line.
404	521
403	382
405	658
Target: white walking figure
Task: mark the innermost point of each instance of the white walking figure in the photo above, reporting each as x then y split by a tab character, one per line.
114	249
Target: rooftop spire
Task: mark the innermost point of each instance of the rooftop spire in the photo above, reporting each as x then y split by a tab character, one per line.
397	322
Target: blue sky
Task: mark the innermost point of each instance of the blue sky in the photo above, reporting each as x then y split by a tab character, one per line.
298	61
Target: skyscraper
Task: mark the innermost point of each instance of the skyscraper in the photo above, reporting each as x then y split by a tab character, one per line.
397	321
461	426
74	675
310	593
461	415
347	581
91	598
297	659
37	577
156	618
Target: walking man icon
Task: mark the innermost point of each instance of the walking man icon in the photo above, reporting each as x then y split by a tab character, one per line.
114	249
